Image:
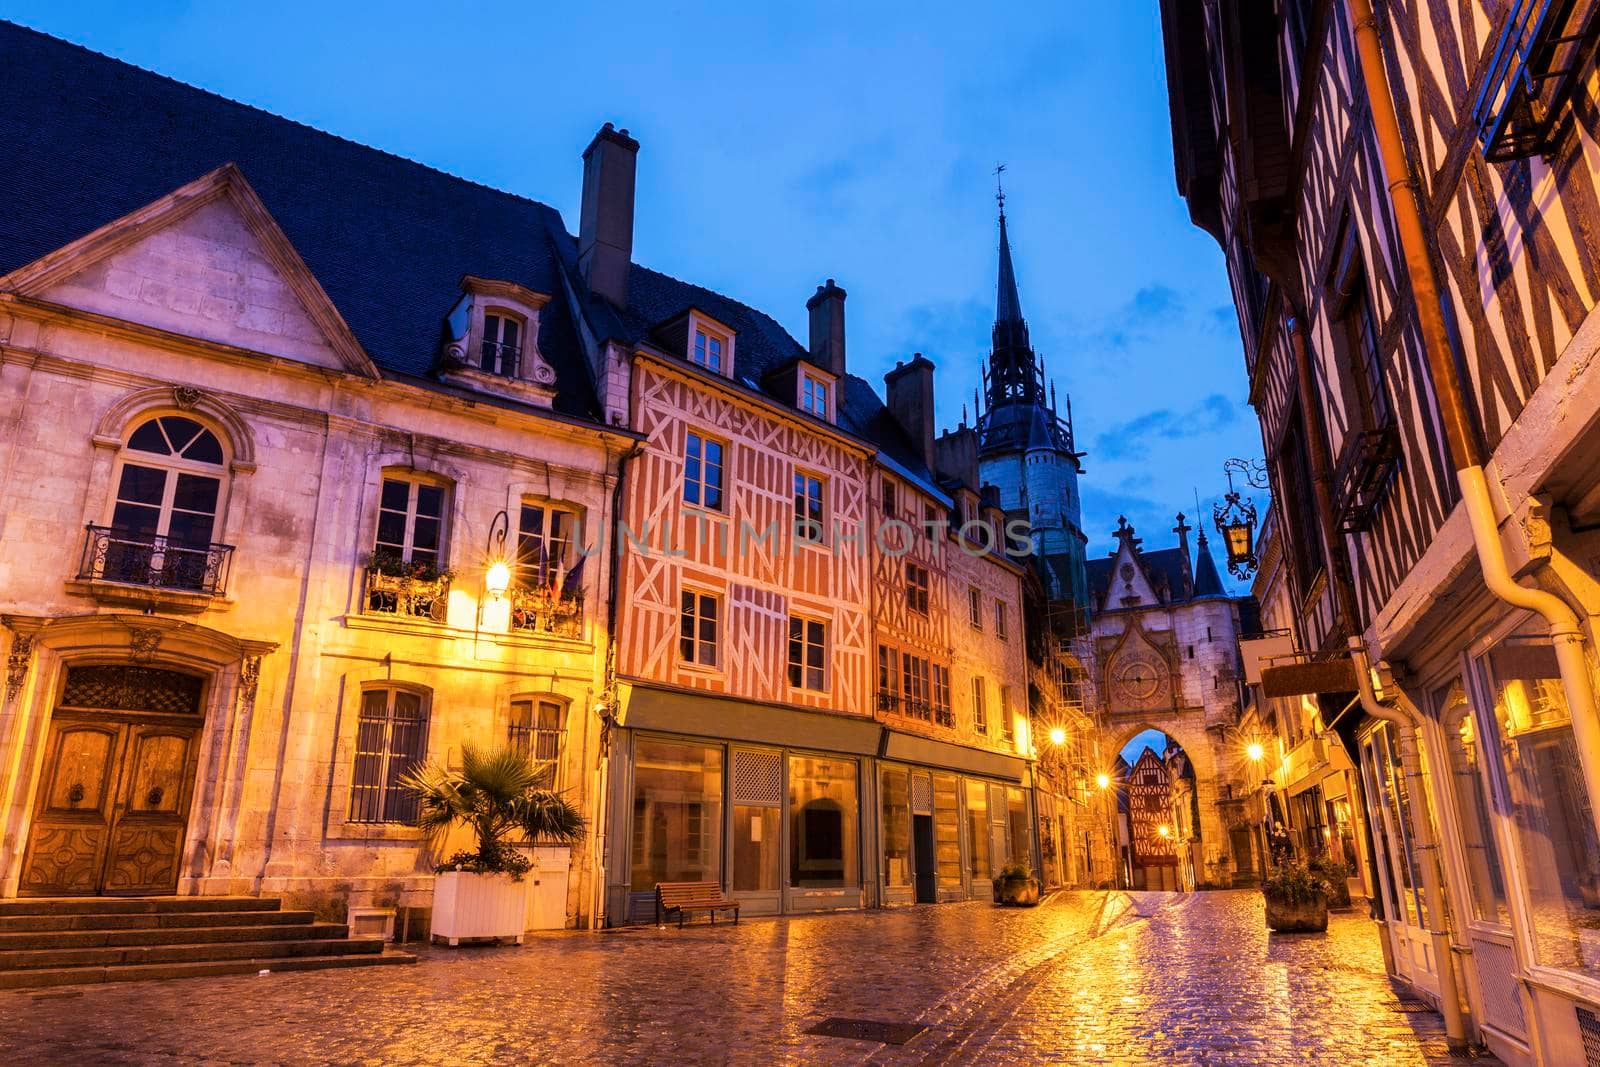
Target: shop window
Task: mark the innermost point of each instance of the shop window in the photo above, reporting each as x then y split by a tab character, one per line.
978	868
391	741
895	785
1485	882
677	814
823	823
1551	810
1017	850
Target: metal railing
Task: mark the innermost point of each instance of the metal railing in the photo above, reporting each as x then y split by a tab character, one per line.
546	611
128	557
415	598
1363	472
1538	63
497	358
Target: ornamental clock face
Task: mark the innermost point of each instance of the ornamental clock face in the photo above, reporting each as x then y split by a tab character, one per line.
1136	678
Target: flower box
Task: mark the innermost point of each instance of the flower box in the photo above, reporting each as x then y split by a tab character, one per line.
1016	892
1309	916
478	907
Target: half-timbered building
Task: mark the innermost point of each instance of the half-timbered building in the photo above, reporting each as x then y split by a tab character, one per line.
1407	202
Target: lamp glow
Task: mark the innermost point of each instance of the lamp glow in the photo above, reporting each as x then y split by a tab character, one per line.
498	579
1058	735
1102	780
1164	830
1255	751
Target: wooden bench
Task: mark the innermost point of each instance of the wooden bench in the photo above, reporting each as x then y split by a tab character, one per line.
686	897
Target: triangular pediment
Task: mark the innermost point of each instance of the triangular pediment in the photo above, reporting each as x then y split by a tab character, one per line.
205	261
1129	586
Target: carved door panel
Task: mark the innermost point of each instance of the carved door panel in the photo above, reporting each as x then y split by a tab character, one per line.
74	809
152	811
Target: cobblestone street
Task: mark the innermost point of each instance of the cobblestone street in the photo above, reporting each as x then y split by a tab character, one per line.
1087	978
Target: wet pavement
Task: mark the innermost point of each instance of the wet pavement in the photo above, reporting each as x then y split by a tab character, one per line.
1087	978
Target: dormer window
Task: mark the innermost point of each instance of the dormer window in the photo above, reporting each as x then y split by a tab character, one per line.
501	349
814	396
708	349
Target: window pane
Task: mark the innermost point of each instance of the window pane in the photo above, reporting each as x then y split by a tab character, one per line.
823	822
425	536
149	438
196	493
187	528
181	432
978	832
142	485
677	814
396	495
430	500
391	530
755	848
1484	882
204	449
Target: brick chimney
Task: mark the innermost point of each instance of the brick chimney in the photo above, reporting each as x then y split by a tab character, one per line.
910	388
605	229
827	328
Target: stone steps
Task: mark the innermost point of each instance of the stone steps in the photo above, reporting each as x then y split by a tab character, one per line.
63	941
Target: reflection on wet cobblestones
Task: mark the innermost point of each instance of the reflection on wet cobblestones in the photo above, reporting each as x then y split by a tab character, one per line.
1088	978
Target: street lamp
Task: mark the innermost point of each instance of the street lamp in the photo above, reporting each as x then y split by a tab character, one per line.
1058	735
1235	517
1102	780
1255	751
1164	830
497	579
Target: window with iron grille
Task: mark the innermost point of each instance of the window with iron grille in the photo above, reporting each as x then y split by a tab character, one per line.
502	344
702	471
536	728
391	740
915	684
699	628
808	518
917	588
807	652
941	695
980	708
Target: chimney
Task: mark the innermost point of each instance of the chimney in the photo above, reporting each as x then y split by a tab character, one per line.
910	388
827	328
605	229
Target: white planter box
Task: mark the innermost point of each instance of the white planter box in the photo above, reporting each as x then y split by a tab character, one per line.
477	906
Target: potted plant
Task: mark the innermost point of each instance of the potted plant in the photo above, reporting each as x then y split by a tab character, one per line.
1014	886
1337	876
501	796
1297	900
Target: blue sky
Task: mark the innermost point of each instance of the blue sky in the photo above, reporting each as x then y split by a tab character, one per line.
784	144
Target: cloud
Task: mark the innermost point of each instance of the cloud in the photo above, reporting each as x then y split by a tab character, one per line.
1131	440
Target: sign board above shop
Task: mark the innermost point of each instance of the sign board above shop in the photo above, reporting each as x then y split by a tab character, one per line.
1302	679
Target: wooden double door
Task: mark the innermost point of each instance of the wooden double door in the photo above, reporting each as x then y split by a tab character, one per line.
113	804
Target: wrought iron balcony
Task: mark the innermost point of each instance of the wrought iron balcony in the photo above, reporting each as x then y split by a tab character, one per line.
1363	472
888	701
1539	63
128	557
546	611
407	596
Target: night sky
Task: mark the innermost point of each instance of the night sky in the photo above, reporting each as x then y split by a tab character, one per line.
785	144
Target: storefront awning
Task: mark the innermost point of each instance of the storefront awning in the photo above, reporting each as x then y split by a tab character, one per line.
908	748
708	715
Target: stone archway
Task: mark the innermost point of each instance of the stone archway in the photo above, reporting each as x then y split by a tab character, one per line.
1211	857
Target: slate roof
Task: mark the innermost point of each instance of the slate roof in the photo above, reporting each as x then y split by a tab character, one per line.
89	139
1207	582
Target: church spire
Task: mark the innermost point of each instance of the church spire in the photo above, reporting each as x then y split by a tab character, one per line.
1008	308
1014	375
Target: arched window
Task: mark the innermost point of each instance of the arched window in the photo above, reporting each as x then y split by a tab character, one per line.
170	490
391	741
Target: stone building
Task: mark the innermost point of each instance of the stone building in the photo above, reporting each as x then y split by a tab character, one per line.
1165	655
275	404
1407	203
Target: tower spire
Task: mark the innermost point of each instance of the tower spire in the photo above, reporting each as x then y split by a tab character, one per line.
1007	307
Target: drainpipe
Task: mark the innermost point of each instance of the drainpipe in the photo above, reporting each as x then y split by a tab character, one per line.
1405	719
1565	632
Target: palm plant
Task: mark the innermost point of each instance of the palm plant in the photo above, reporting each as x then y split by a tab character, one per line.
500	795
